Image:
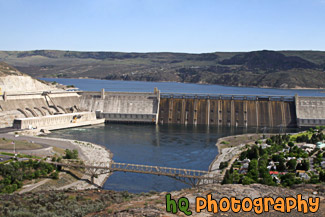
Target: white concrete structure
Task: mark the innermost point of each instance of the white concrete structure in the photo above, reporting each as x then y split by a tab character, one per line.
310	111
61	121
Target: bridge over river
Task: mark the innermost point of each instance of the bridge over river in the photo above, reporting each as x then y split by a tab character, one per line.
187	176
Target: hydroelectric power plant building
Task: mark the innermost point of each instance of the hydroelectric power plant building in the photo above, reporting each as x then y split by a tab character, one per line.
60	109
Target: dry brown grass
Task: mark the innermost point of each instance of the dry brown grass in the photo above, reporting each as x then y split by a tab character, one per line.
6	144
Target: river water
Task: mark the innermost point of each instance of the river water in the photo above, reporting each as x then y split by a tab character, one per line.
190	147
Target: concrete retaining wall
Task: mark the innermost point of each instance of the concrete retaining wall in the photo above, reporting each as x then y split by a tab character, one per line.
53	120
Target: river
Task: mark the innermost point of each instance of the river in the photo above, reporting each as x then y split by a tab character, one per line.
190	147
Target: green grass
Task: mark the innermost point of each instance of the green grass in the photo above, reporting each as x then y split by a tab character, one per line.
20	155
6	153
294	137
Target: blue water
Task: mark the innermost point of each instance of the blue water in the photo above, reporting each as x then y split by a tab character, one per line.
174	87
177	146
191	147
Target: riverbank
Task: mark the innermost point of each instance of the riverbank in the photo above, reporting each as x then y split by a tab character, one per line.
89	153
229	148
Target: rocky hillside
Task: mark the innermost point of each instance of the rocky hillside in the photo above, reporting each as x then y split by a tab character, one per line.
6	70
284	69
13	81
123	204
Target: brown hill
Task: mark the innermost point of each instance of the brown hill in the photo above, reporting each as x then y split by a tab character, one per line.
286	69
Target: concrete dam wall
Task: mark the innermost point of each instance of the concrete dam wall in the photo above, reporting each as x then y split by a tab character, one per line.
227	111
310	111
192	109
167	108
122	107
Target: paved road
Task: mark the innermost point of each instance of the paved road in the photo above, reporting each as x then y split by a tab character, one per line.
45	142
4	158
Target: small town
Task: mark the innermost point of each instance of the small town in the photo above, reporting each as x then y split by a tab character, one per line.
280	160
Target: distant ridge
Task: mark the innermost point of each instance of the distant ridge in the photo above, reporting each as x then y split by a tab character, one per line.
277	69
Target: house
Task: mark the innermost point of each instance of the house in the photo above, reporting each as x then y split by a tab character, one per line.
276	178
264	146
299	160
246	161
302	174
300	171
271	166
245	166
320	145
306	146
308	150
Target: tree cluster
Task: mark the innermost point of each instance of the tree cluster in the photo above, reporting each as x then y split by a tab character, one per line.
14	173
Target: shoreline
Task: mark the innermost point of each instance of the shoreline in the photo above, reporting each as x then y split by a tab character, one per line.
201	83
229	151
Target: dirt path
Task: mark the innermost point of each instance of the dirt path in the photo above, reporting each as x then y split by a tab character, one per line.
30	187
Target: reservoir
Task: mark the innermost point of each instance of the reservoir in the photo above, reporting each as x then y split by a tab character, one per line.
174	87
188	147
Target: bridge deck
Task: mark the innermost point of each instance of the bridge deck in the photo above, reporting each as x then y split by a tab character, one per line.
145	169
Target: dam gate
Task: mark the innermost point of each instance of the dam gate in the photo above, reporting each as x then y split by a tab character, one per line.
227	110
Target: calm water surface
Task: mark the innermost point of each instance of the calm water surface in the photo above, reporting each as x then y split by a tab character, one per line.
173	87
171	146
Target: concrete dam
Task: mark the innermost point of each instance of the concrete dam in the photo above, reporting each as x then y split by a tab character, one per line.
56	110
205	109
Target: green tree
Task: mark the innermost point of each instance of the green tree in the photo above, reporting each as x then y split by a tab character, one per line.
247	180
291	144
253	170
322	176
289	179
281	167
71	154
253	153
291	164
227	179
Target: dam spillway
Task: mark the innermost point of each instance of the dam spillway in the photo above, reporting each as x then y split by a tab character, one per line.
227	110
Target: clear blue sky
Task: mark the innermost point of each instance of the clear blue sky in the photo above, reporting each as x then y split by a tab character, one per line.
194	26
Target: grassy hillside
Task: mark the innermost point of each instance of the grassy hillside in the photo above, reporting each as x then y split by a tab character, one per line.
286	69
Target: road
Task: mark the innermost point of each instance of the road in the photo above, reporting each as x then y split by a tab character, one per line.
46	142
